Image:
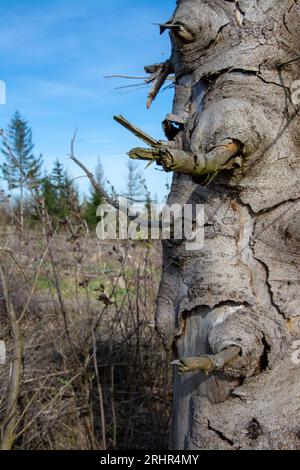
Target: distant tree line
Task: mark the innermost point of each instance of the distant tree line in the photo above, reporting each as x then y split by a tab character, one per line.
23	171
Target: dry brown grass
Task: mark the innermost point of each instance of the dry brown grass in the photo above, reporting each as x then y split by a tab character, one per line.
106	382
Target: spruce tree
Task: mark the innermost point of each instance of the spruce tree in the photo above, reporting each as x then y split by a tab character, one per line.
95	199
69	198
135	190
60	187
21	166
58	178
49	195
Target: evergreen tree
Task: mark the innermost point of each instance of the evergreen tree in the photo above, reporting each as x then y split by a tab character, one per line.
90	211
61	186
69	197
59	193
135	189
23	167
58	177
95	199
49	195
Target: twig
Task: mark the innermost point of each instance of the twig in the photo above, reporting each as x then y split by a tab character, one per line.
127	77
159	73
160	79
37	275
56	396
90	175
100	392
137	132
46	227
113	409
101	190
24	411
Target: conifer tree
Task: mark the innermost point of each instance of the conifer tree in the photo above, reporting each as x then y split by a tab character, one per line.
59	192
58	179
95	198
135	189
49	195
23	167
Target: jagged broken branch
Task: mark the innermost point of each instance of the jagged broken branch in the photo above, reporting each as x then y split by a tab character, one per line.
158	74
208	363
171	158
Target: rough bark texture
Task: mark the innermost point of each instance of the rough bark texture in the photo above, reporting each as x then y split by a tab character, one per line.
242	288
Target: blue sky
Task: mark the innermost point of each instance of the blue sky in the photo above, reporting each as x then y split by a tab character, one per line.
54	55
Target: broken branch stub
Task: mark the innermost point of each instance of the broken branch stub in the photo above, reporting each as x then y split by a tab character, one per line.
208	363
172	159
159	79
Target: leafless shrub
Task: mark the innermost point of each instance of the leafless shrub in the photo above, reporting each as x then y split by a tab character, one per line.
94	373
109	386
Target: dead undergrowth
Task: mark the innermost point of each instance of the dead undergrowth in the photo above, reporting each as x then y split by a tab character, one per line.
95	374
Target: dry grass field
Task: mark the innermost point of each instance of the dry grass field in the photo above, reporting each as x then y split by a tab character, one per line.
95	374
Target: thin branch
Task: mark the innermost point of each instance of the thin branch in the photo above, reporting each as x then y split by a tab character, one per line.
56	396
90	175
137	86
158	74
101	190
127	77
158	82
100	391
46	227
49	241
137	131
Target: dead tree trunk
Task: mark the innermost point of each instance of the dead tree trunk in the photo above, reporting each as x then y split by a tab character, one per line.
236	150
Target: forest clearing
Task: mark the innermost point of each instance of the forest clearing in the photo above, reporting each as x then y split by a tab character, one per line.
150	234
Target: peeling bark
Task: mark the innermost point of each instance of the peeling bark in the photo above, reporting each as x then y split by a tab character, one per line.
235	63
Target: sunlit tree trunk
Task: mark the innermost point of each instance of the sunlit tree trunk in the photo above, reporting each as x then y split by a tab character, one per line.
235	64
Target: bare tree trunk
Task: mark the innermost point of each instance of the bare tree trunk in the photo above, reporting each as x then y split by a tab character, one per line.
235	63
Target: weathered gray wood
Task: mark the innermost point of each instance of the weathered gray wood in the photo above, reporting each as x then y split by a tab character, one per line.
242	288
